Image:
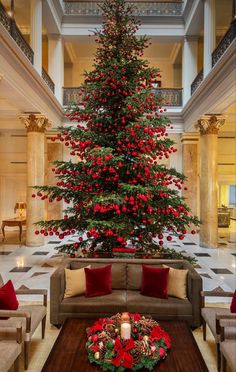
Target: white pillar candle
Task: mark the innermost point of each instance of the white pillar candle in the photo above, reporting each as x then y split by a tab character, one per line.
125	330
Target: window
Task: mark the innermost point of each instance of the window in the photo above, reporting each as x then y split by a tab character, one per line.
232	195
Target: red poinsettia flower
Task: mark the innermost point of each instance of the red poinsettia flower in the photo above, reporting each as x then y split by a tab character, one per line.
136	317
156	333
96	328
123	357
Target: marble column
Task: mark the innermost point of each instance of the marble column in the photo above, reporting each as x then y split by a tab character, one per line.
209	35
189	63
209	126
36	33
56	63
36	125
54	152
190	159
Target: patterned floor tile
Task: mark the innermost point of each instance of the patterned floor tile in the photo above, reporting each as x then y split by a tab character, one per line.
206	276
221	271
39	273
40	253
22	269
23	287
202	254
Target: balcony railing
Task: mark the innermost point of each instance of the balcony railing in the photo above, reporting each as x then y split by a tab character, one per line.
15	33
197	81
170	96
48	80
141	8
224	43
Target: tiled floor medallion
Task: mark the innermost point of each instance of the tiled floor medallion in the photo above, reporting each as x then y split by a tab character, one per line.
22	269
221	271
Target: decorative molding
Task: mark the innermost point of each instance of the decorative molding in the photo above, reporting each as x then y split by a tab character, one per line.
210	124
35	122
192	137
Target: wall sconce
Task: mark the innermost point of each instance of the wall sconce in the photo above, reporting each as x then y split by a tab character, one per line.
21	207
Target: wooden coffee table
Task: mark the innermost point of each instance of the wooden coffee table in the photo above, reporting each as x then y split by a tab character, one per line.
69	353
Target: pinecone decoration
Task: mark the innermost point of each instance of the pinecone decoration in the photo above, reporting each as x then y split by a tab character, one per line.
137	356
102	352
143	348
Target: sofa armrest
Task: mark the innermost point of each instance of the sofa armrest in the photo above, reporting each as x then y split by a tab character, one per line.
8	325
214	294
194	293
43	292
225	321
18	314
57	289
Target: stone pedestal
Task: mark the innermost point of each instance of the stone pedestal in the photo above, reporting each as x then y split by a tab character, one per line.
190	156
54	152
209	127
36	125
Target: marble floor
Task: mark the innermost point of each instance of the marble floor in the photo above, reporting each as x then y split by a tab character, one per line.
32	267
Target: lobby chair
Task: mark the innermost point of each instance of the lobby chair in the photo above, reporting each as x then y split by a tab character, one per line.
10	350
30	316
227	347
211	316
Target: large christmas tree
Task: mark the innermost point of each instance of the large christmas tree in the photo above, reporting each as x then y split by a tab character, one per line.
120	193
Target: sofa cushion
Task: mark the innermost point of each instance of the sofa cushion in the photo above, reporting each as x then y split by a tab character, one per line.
75	282
118	272
134	275
98	281
233	303
8	300
177	282
163	307
111	303
155	281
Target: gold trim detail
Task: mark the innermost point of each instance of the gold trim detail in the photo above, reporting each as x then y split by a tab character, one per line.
210	124
35	122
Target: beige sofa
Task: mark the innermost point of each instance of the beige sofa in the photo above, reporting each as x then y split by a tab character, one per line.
125	296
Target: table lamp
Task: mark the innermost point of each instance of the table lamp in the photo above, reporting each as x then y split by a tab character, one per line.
21	206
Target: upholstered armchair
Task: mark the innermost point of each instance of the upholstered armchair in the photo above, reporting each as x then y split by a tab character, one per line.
10	350
211	316
30	316
227	347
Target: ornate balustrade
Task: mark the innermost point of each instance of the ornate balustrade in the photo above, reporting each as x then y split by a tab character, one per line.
197	81
15	33
48	80
225	42
170	96
141	8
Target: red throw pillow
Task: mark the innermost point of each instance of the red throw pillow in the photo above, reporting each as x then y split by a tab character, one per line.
233	303
155	282
98	281
8	300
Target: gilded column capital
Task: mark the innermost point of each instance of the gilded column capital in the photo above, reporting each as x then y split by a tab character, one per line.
210	124
35	122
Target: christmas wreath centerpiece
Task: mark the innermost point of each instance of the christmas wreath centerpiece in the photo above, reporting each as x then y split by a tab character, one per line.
147	345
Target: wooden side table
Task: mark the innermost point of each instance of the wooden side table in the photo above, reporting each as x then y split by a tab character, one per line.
13	222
